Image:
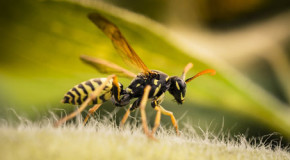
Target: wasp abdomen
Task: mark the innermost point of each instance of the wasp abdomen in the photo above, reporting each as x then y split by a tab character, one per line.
79	93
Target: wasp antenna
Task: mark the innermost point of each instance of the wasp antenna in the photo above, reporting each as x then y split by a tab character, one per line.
185	70
211	71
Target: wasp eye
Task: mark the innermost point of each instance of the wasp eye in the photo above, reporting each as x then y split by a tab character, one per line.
177	85
177	89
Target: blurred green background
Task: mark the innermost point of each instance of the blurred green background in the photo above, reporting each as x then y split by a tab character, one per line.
247	42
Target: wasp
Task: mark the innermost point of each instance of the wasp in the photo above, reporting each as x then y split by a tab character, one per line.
148	84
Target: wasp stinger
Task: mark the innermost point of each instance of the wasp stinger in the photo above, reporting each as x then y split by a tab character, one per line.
148	84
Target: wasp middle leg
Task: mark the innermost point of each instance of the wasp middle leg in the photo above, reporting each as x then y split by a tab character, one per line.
142	110
157	120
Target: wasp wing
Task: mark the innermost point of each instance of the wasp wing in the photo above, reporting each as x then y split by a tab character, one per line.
118	40
104	66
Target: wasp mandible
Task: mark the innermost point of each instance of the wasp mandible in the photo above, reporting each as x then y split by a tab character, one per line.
148	84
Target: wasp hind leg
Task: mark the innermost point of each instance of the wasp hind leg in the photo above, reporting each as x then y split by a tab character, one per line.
125	117
92	96
116	94
132	107
91	111
116	89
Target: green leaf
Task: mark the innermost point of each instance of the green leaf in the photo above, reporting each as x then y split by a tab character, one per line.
42	41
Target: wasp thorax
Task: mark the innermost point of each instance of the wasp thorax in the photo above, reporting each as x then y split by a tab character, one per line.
177	89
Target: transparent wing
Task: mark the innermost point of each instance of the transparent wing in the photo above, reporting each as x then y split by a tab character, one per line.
118	40
104	66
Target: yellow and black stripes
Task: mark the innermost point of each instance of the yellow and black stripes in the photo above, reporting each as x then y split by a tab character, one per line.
79	93
116	89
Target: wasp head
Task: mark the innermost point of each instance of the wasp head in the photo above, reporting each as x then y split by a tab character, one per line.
177	89
178	84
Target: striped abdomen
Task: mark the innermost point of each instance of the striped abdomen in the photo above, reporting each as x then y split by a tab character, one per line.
79	93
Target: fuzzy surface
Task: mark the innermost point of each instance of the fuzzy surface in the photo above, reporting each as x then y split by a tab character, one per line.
104	140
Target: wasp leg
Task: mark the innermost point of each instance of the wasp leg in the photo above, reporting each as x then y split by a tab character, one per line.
116	89
91	111
124	119
104	66
142	110
92	96
173	120
157	120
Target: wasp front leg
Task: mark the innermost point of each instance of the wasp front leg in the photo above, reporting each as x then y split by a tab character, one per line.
173	120
156	105
160	110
